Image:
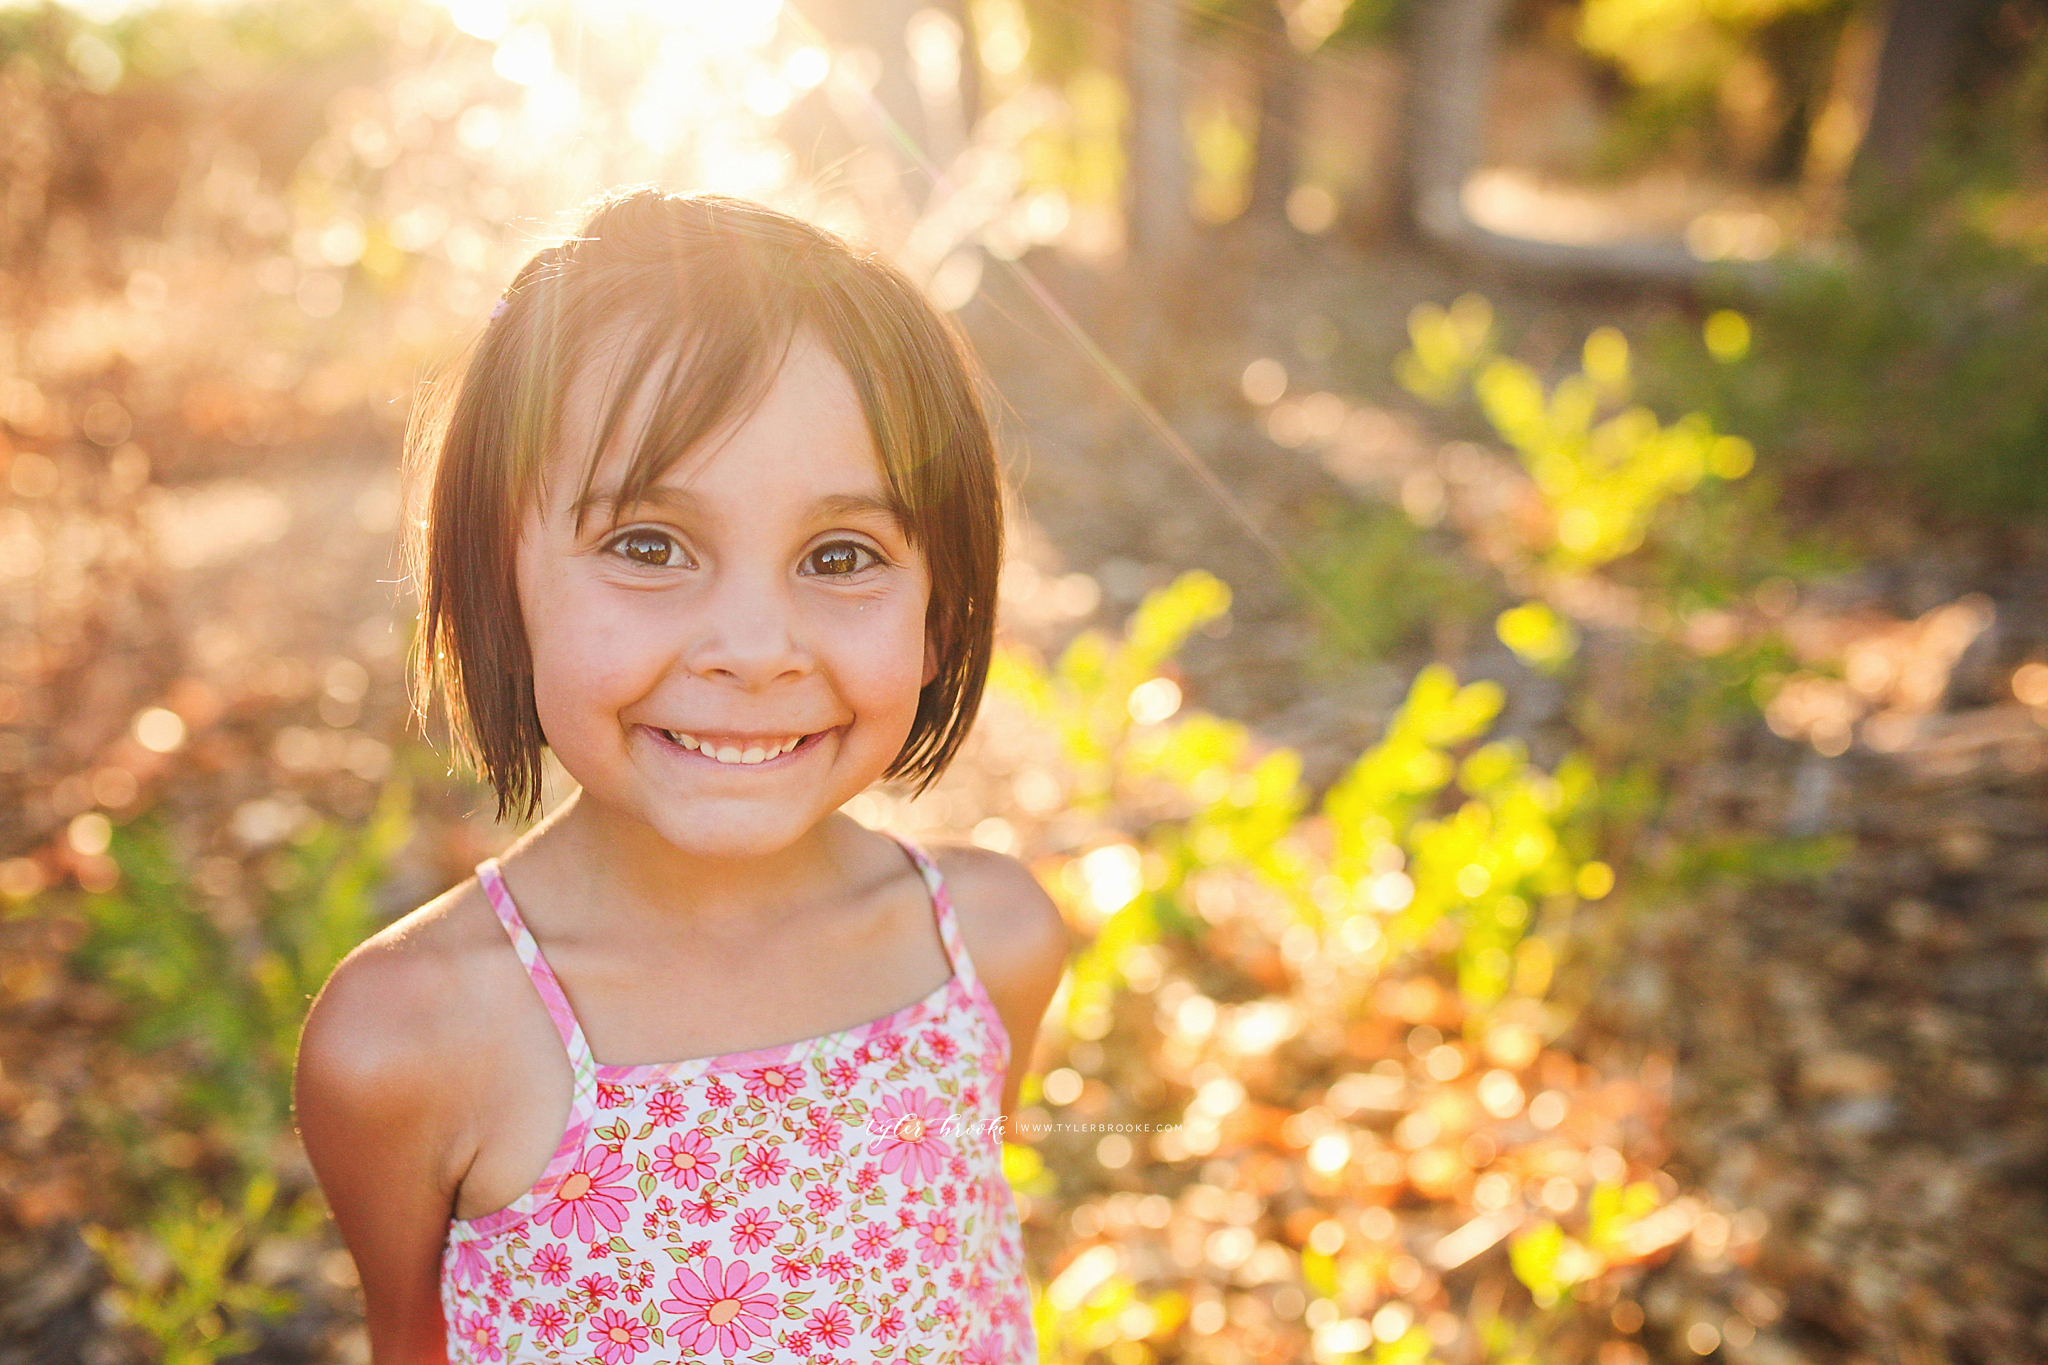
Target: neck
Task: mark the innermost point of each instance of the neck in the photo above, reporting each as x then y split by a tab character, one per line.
583	855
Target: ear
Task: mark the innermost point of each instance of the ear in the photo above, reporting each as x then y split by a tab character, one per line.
931	660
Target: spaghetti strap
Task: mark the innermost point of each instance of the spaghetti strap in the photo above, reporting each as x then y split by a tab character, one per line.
942	909
548	986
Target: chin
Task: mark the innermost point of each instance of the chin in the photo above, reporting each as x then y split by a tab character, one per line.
736	834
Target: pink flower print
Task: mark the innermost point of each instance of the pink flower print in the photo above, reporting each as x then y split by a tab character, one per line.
592	1193
773	1082
753	1230
610	1096
501	1283
471	1266
831	1325
550	1323
666	1106
719	1093
949	1193
948	1309
792	1270
842	1073
908	1142
837	1266
871	1241
822	1137
699	1248
889	1324
664	1205
954	1279
617	1337
863	1054
822	1198
722	1309
764	1165
597	1287
942	1045
479	1334
987	1349
703	1209
800	1341
892	1044
684	1159
979	1287
517	1312
869	1174
940	1237
895	1259
551	1263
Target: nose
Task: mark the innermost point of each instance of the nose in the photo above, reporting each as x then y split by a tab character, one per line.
747	631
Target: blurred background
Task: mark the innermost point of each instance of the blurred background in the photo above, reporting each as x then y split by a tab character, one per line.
1525	649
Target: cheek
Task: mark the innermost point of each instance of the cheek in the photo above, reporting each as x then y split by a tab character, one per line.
583	652
883	666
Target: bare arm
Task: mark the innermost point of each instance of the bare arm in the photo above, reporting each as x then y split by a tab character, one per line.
377	1107
1019	944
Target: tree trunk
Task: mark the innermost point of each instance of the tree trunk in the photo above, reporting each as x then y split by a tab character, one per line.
877	30
1158	176
1274	154
1451	79
970	61
1452	50
1915	74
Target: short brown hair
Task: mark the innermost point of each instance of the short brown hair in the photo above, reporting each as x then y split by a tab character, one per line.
723	285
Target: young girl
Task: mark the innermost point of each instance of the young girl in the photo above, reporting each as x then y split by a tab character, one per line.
699	1068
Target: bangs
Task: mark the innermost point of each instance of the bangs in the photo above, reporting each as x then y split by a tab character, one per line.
707	367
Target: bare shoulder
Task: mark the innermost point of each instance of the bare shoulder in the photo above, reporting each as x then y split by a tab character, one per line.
394	1012
1014	931
385	1101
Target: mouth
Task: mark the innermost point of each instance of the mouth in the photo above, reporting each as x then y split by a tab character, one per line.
731	752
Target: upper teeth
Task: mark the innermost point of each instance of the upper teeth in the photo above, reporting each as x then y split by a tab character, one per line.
753	753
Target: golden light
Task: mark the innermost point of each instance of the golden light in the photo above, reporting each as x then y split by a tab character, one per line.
159	730
696	86
1113	876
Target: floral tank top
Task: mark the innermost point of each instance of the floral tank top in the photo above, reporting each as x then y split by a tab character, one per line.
830	1201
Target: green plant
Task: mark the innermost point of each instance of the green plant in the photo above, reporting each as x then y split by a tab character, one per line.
1603	466
230	1001
175	1278
1434	840
1510	846
224	1005
1914	372
1377	567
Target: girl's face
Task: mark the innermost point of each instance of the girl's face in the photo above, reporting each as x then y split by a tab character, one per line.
759	596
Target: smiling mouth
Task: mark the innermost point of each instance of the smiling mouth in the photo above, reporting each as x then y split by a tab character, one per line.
738	754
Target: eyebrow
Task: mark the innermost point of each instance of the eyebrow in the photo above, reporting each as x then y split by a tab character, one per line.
683	500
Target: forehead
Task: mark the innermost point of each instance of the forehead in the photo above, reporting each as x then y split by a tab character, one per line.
783	417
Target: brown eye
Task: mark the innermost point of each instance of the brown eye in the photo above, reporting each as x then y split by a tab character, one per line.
841	558
646	547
